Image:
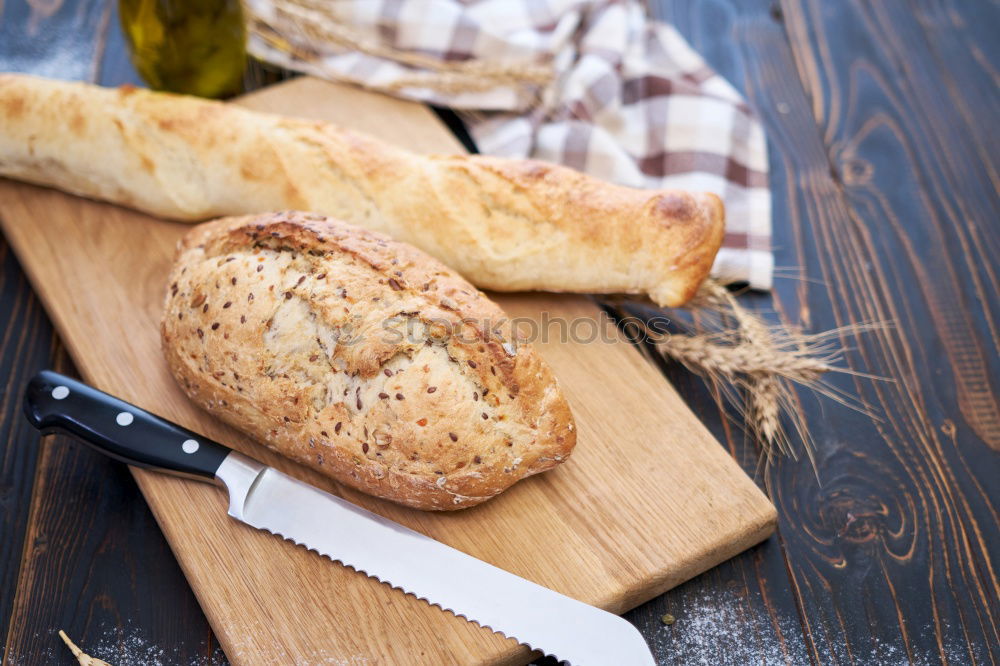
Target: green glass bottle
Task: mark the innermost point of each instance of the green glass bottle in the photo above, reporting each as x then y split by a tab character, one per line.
196	47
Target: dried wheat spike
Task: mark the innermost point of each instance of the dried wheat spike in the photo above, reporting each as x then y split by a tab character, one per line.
83	658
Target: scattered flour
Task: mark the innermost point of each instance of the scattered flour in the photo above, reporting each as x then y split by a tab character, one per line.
715	629
117	647
711	629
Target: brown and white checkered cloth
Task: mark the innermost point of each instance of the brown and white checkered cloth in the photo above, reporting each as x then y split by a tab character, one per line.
596	85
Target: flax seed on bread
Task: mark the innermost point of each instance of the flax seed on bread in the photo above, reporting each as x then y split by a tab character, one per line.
361	357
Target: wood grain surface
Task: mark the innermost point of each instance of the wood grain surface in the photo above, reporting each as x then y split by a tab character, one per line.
79	548
649	499
884	174
881	122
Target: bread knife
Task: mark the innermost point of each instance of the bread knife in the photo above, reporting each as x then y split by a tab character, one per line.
269	500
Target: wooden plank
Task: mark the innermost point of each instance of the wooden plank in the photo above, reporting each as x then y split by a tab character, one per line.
750	596
885	201
648	500
96	565
91	559
23	349
745	610
902	210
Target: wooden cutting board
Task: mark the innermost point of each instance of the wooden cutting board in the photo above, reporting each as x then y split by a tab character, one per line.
647	500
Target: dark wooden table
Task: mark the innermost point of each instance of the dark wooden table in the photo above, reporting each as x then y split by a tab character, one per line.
882	120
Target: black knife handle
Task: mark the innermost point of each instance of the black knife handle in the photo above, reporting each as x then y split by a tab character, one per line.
54	402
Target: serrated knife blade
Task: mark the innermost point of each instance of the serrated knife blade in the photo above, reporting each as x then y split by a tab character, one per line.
536	616
267	499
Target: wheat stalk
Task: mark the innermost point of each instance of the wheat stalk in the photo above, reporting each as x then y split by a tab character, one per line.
705	353
765	407
297	25
82	657
753	364
733	346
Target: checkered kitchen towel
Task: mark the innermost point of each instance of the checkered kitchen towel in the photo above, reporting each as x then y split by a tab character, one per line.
596	85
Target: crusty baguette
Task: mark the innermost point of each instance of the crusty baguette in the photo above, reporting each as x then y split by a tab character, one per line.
361	357
504	224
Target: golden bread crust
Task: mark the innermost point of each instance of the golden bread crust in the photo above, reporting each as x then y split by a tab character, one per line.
508	225
360	357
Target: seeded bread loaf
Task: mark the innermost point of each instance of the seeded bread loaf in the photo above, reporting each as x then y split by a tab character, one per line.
362	358
504	224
